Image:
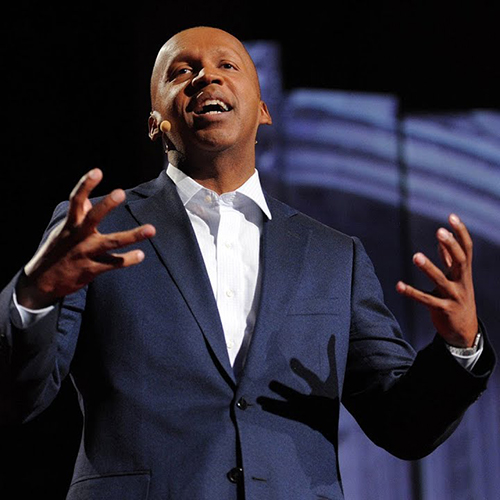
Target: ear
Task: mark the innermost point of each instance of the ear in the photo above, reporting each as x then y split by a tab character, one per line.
265	115
154	125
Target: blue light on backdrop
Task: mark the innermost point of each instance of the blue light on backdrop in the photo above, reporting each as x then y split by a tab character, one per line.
353	161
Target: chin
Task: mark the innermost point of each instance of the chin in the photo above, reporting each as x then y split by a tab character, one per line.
215	141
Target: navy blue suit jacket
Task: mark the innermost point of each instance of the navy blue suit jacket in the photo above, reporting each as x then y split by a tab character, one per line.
164	415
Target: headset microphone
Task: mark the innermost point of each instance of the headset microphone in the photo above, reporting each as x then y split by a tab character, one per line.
165	126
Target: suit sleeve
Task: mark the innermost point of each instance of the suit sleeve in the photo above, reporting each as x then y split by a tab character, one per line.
35	360
406	402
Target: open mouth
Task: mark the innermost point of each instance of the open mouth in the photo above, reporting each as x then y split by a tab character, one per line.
212	107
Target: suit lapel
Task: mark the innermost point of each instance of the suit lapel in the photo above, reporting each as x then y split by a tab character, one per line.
176	245
283	248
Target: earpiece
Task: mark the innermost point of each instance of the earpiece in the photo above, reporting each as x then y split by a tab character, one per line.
165	126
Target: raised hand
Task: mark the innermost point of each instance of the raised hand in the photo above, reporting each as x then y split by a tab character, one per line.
75	251
452	304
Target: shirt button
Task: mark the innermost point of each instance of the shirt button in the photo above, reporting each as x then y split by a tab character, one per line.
228	197
230	344
208	198
228	244
229	293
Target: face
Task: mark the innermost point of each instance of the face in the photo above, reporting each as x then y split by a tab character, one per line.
206	85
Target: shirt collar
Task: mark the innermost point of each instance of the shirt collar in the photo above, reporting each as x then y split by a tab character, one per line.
188	188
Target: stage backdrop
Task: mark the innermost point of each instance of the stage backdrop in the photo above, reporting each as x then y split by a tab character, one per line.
357	163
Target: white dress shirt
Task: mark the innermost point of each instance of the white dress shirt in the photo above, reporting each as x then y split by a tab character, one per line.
228	228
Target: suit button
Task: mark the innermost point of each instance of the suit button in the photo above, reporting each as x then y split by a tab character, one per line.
235	475
242	404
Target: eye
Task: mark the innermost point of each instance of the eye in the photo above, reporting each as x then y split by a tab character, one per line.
228	65
180	71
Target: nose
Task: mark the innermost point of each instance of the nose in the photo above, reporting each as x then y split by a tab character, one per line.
207	76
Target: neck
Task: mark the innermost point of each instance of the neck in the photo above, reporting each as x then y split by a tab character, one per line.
218	172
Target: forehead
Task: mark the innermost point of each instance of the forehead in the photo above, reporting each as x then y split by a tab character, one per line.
203	42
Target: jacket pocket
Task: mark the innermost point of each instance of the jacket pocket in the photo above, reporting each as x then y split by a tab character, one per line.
122	486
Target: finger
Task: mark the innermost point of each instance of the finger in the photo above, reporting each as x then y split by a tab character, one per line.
431	271
78	200
456	252
101	209
462	235
108	261
422	297
102	244
445	256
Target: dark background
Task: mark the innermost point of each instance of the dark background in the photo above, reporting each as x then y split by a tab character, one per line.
77	75
76	96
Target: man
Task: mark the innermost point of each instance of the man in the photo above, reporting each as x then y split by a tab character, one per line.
215	368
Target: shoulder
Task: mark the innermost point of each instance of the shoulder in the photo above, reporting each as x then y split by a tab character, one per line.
319	230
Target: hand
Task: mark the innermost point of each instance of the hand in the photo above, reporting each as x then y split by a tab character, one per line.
452	304
75	252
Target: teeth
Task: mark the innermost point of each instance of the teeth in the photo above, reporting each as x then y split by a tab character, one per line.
215	102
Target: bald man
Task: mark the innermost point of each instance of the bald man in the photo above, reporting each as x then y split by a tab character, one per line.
212	354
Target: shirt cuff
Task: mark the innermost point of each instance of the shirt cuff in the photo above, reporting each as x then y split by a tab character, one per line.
23	317
467	357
